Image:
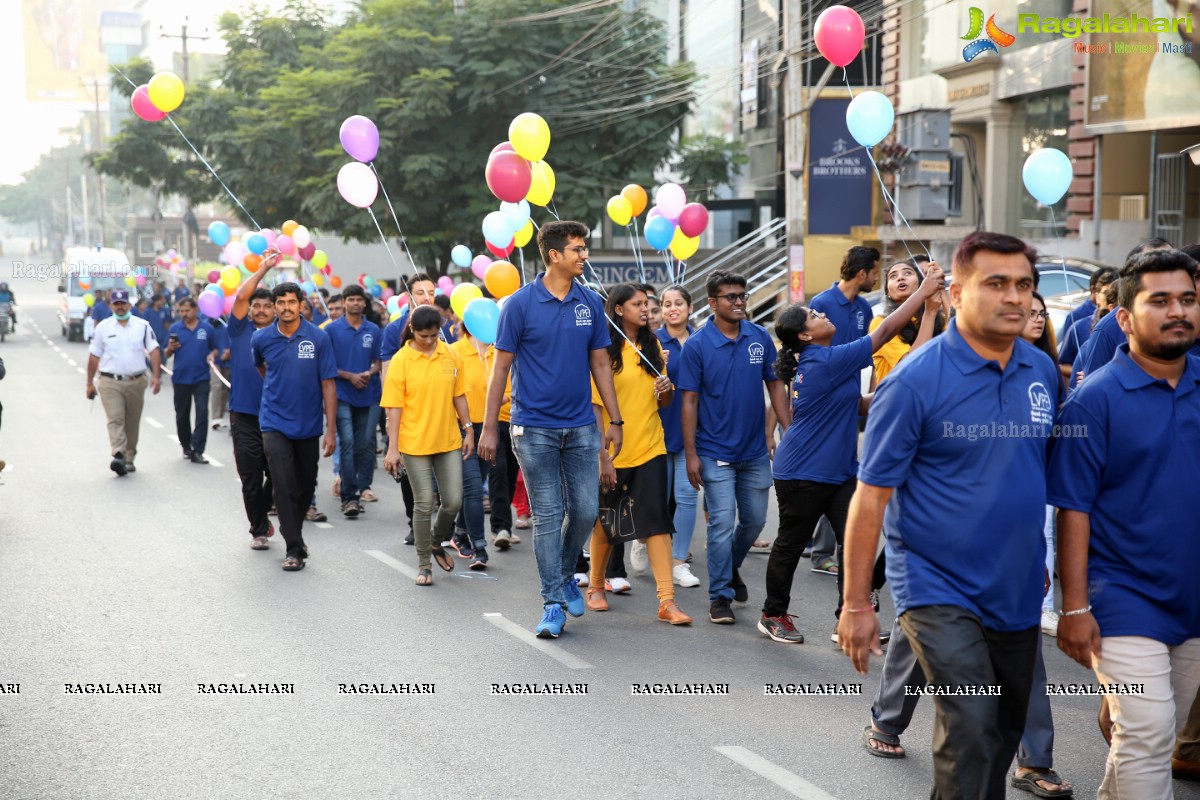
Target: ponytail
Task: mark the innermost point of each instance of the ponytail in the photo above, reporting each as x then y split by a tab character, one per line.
791	323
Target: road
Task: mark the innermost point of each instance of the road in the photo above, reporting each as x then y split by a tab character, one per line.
148	579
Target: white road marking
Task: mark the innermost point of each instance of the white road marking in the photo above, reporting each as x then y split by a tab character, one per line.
152	422
80	370
214	462
790	782
71	361
57	349
318	524
527	636
403	569
8	468
173	438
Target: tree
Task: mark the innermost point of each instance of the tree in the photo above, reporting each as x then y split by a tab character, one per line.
709	162
40	197
442	87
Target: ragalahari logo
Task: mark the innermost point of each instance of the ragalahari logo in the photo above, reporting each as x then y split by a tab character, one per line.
995	36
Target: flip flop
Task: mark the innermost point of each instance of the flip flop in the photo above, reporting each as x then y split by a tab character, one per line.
443	559
1028	783
870	733
425	578
293	564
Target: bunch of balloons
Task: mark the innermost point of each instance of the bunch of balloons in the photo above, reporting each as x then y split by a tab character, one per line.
154	100
171	260
244	256
508	228
674	224
516	169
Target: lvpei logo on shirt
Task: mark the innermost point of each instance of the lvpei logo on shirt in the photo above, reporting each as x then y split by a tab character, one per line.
306	349
1041	406
583	315
368	340
756	351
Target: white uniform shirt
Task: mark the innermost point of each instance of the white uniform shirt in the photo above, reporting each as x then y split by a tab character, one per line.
122	348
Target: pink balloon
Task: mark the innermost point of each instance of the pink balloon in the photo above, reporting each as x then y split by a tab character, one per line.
214	276
227	306
285	244
140	101
307	251
357	184
508	176
386	294
235	253
446	284
501	148
693	219
269	235
839	34
479	266
140	280
670	199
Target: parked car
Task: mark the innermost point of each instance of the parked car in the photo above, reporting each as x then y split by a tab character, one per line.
87	269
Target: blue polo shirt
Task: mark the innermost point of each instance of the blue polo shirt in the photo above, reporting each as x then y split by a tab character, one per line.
1085	310
354	351
672	415
190	361
1076	335
821	444
964	445
246	385
181	292
851	318
292	402
158	323
1132	470
221	337
728	375
551	341
1106	337
100	311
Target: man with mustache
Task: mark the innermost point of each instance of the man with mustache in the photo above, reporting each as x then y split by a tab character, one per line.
1128	551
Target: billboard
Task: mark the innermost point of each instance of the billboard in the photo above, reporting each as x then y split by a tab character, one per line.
1142	80
62	50
840	179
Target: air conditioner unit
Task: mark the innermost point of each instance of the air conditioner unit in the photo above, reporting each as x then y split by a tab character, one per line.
1132	207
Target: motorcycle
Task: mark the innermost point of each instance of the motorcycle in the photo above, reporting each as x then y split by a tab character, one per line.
5	320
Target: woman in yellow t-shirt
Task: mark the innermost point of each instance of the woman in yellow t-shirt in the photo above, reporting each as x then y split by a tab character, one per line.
633	498
901	282
425	390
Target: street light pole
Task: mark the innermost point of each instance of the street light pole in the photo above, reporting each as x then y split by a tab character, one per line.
98	146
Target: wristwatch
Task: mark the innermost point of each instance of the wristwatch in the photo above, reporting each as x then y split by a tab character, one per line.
616	422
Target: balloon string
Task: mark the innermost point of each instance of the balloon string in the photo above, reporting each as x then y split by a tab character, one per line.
521	253
1063	262
618	329
395	219
637	250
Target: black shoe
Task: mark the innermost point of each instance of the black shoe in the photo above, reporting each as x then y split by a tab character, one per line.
720	612
740	593
130	468
187	454
197	458
408	540
117	465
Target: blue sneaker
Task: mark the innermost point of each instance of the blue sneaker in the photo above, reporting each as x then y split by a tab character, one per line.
575	605
553	622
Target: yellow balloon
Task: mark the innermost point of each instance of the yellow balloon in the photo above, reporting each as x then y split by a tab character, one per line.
463	294
620	210
319	260
231	277
530	137
395	316
523	236
89	299
542	187
166	91
318	278
130	281
684	247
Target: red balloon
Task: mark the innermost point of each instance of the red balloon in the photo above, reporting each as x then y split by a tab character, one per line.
839	34
501	148
508	176
327	269
497	252
693	219
307	251
140	101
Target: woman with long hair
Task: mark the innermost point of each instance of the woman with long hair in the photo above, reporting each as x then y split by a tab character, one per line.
816	462
1037	332
634	484
900	283
673	335
424	392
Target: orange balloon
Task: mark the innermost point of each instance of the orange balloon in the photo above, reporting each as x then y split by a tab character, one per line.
636	196
335	282
501	279
289	227
252	262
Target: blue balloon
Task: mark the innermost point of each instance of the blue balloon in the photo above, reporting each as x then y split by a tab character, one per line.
461	255
498	230
308	287
257	244
482	318
376	290
218	233
517	213
1047	174
659	232
215	287
870	117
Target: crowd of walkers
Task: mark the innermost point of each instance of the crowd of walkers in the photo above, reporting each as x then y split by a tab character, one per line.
1019	485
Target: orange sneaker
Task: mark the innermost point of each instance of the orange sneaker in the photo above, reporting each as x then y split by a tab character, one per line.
596	600
669	612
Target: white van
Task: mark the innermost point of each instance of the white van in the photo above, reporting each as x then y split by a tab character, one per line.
101	268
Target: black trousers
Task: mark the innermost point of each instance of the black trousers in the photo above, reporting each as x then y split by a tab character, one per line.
192	439
801	506
502	480
974	737
293	466
257	490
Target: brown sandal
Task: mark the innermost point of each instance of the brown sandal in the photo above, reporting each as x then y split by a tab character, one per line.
443	559
258	543
425	578
293	564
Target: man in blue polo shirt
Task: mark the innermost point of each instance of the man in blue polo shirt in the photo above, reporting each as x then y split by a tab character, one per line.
159	317
253	309
191	340
298	367
554	337
1077	328
1121	473
355	342
723	417
959	437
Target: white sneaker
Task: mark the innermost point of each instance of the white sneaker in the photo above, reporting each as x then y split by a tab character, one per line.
619	585
581	579
683	576
219	424
639	559
1050	623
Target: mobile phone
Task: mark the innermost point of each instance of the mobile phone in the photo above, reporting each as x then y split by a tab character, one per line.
174	337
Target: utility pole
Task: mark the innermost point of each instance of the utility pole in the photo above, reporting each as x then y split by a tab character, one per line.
183	36
98	146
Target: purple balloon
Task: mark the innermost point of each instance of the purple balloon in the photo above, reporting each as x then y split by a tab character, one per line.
211	304
360	138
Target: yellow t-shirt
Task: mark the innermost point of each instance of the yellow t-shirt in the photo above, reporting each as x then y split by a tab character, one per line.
477	370
889	355
423	387
643	430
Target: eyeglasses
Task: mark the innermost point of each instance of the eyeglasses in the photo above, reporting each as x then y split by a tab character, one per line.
1039	315
735	298
576	250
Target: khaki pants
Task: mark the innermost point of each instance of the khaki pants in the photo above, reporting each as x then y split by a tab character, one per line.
123	401
218	400
1187	746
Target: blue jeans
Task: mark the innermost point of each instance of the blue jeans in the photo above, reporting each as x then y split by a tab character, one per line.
356	449
685	505
562	476
470	518
736	494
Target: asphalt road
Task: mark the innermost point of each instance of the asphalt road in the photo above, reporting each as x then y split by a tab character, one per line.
148	579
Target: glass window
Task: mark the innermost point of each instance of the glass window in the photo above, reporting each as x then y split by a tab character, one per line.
1046	122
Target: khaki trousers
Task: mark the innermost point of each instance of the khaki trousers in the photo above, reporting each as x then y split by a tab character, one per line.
123	401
